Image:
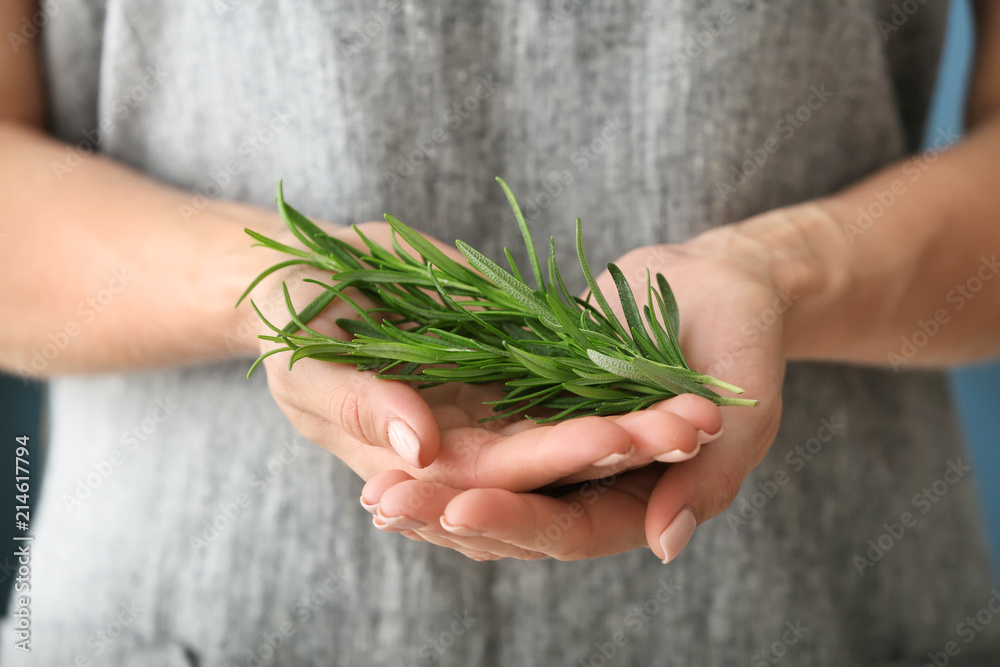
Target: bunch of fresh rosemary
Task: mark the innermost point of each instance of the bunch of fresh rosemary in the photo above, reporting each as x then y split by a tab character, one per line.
549	348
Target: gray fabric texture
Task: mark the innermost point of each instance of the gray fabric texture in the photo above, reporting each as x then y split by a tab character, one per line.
629	115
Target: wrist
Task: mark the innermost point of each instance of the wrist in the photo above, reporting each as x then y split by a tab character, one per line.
237	263
800	253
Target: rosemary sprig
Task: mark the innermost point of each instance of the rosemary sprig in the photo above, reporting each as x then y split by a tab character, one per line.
549	349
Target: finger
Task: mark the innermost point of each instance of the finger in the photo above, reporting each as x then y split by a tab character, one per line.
705	415
371	493
392	416
474	554
475	457
327	399
656	435
694	491
595	521
411	505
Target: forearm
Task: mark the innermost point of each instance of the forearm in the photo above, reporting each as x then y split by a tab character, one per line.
899	269
102	271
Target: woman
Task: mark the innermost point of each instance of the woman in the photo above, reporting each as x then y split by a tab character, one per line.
214	533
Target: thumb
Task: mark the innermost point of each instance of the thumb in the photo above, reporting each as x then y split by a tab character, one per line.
325	400
381	413
384	413
694	491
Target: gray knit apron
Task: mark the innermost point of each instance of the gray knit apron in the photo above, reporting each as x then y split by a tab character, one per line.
220	537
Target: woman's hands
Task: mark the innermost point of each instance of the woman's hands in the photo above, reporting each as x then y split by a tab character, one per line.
434	435
734	291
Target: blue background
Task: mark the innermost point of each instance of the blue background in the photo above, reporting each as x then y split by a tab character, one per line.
974	387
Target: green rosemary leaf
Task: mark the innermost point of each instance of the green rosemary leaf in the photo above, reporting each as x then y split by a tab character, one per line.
337	357
619	367
283	209
536	268
675	348
422	315
646	346
467	374
512	287
400	351
576	363
561	402
515	332
267	323
377	276
519	394
476	317
591	391
573	302
626	297
274	245
469	342
304	229
530	381
671	315
371	365
362	328
308	313
430	252
402	254
581	405
669	380
666	346
299	322
632	317
465	357
598	339
513	265
558	310
264	356
548	332
630	405
332	292
266	273
408	337
595	290
541	366
520	408
596	378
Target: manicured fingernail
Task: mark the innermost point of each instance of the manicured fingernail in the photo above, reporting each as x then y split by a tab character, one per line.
401	522
405	441
705	438
381	525
614	459
370	507
455	529
678	533
677	455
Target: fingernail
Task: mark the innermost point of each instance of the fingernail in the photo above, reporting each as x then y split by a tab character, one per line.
705	438
455	529
613	459
381	525
371	508
405	441
677	455
678	533
401	522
